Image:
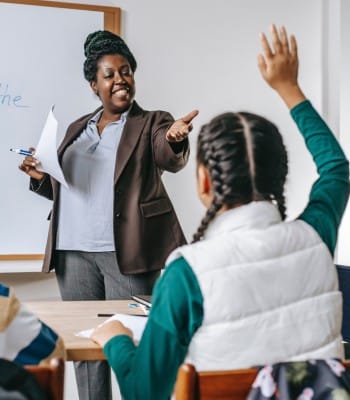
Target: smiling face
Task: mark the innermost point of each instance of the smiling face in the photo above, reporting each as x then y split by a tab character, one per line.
114	84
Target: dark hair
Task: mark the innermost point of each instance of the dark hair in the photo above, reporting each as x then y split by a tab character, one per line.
101	43
246	159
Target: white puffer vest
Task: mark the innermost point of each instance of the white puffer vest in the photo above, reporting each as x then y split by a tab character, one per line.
270	291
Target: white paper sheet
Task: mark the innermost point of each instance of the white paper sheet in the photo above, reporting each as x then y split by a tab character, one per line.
46	150
135	323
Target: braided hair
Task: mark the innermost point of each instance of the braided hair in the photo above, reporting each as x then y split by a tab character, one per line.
246	160
101	43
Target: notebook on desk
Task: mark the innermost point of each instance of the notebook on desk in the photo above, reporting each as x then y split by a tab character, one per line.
144	299
137	325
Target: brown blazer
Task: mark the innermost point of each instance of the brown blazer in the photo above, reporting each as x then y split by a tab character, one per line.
146	228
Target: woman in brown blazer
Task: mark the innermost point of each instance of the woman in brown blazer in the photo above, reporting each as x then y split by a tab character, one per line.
112	229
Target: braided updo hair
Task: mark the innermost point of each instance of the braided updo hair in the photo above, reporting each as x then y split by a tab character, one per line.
101	43
246	159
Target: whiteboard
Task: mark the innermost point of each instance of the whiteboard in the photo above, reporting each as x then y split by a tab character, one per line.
41	64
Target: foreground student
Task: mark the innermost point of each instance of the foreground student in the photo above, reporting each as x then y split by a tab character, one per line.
252	289
24	339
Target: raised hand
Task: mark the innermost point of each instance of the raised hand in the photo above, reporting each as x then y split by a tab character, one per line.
29	165
279	65
180	129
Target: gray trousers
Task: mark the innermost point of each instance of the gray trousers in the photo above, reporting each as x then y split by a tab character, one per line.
96	276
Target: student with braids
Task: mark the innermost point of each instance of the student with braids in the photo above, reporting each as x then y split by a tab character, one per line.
252	289
111	231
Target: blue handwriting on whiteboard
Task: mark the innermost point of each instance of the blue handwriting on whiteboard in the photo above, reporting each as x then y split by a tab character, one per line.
10	100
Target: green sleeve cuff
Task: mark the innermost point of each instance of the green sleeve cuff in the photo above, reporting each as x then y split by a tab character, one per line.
119	341
301	107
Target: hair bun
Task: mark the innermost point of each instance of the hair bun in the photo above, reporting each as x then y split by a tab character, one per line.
100	43
101	39
90	38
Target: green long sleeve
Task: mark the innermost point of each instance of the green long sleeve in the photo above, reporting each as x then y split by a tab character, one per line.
330	192
148	371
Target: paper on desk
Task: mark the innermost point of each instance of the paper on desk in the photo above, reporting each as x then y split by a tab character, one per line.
133	322
46	150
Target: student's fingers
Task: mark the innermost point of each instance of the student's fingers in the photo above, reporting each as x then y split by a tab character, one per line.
276	42
293	47
265	46
189	117
284	40
104	332
262	64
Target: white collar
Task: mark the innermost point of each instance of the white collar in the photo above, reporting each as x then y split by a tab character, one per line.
257	214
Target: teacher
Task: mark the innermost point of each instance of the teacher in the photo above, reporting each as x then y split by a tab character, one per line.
112	229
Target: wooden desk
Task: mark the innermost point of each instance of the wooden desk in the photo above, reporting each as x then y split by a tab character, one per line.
70	317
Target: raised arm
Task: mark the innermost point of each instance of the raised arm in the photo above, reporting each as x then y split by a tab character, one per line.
329	194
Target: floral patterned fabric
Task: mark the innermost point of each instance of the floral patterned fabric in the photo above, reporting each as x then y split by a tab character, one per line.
304	380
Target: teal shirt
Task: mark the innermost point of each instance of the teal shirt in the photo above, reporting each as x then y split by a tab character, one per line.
148	371
329	194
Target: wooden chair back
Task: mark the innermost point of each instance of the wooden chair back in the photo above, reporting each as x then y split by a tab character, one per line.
223	385
50	377
217	385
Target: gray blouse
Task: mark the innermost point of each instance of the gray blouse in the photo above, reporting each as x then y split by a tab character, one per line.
85	212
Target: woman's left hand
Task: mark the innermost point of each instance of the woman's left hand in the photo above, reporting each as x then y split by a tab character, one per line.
180	129
103	333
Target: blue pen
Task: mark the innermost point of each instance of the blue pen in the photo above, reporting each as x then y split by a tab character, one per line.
22	152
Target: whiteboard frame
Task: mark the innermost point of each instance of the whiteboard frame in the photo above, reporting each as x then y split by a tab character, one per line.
111	14
111	23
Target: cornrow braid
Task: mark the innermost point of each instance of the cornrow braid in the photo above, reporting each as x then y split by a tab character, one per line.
211	160
219	143
209	216
246	160
271	160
